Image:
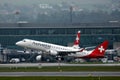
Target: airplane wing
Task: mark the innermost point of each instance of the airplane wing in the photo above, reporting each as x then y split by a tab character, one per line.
69	52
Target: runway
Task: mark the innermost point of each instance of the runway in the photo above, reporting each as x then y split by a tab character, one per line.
85	73
59	73
53	64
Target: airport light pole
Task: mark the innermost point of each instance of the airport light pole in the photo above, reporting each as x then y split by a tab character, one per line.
17	15
71	12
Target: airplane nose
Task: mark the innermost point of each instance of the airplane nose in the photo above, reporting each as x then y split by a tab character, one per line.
17	43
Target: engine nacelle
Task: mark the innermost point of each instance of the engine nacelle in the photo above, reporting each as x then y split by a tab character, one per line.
52	52
38	58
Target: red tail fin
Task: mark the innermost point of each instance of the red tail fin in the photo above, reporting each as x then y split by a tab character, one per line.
100	50
77	40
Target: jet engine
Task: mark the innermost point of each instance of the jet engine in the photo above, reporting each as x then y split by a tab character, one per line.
52	52
38	58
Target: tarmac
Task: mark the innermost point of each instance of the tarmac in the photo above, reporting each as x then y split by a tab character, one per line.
53	64
87	74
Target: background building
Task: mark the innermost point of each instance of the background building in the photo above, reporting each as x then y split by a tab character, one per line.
63	34
92	34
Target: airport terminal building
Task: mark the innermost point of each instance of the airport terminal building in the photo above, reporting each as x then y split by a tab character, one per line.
63	34
92	34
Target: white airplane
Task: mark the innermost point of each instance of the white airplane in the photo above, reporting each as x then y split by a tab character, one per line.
74	51
52	49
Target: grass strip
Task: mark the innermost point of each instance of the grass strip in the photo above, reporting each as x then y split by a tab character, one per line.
61	68
59	78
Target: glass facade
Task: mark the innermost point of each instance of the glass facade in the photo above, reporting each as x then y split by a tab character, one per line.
90	35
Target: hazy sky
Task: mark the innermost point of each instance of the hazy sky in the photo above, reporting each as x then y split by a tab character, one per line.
55	1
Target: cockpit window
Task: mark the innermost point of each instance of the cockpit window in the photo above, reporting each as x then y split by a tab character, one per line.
24	40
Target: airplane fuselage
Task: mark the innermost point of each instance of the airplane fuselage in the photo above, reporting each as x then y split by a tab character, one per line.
27	43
